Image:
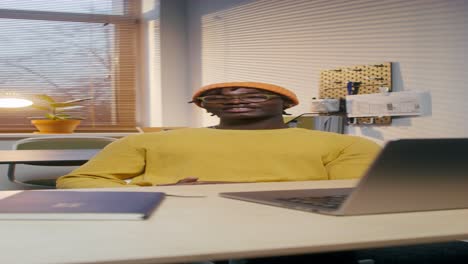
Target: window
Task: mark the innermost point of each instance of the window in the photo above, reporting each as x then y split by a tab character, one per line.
70	49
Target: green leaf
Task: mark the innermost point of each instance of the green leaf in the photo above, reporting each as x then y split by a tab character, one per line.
64	108
55	110
40	107
77	100
45	97
69	103
50	116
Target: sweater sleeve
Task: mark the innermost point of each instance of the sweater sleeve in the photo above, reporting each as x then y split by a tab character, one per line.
116	163
353	160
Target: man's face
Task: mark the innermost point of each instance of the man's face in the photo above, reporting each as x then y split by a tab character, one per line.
235	108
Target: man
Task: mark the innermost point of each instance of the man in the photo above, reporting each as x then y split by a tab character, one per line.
250	144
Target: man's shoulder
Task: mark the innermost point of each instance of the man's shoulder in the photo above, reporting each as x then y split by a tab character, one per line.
317	133
333	137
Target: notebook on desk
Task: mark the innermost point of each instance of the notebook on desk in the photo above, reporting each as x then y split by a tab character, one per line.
407	175
79	205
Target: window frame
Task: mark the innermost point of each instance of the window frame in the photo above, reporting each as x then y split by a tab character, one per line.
121	22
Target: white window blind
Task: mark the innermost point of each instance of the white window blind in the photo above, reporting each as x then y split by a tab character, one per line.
70	50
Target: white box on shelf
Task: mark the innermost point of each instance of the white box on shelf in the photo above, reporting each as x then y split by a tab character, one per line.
407	103
327	105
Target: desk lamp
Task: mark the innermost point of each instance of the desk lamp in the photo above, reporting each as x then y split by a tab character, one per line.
13	100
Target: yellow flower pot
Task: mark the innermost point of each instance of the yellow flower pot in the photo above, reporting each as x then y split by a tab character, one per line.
47	126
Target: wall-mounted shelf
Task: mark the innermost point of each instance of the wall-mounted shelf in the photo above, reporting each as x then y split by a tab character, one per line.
365	79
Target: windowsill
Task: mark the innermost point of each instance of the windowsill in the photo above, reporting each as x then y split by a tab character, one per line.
28	135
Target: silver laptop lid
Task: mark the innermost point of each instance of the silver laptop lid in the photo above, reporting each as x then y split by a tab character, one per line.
413	175
407	175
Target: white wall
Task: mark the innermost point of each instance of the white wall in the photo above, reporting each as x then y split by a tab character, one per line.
174	66
163	67
149	91
290	42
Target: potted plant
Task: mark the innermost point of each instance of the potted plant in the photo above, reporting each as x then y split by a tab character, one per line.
56	119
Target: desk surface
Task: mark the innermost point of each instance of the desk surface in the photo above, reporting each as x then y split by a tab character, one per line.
211	227
78	156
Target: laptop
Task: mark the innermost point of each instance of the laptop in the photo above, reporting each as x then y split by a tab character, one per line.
408	175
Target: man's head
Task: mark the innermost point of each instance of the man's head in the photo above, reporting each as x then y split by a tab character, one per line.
240	100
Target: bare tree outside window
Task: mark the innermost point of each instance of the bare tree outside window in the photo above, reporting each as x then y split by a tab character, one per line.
70	59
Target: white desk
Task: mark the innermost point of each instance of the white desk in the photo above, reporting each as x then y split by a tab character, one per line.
193	229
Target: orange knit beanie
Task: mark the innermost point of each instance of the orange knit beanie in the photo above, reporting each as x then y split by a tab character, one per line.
256	85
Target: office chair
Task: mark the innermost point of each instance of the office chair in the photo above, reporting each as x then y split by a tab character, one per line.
46	174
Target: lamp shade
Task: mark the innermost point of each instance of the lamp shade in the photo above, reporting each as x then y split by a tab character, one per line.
11	100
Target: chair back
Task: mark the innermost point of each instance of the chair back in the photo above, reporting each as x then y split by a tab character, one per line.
61	142
44	175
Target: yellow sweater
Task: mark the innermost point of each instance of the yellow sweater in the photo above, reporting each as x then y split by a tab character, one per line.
292	154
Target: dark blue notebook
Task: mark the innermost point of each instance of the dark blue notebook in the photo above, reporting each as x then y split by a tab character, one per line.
79	205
